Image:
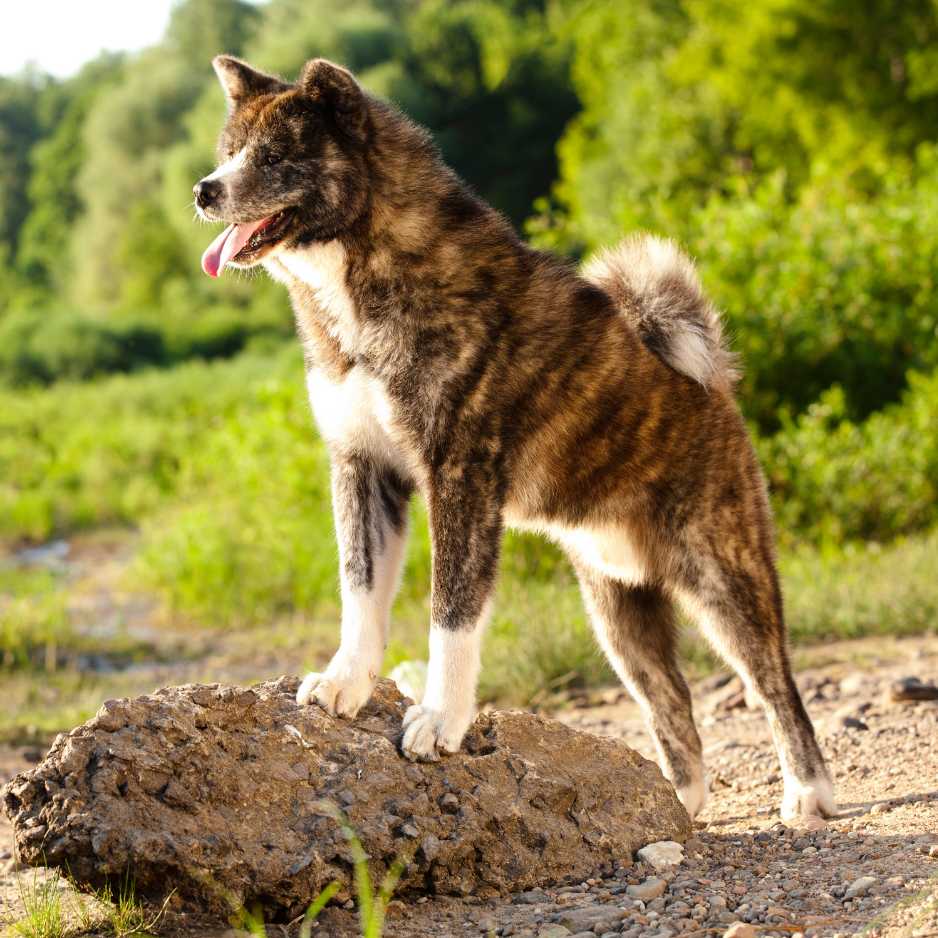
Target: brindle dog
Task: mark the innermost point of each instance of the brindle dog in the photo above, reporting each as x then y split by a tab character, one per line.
445	355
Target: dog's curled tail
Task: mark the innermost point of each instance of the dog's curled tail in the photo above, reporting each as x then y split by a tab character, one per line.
656	287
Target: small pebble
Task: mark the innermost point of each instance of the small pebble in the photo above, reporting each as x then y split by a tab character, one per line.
553	931
449	803
860	887
650	889
740	930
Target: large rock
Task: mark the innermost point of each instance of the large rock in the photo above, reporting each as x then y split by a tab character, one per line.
218	792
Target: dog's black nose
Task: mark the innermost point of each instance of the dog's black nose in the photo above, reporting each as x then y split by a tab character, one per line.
206	192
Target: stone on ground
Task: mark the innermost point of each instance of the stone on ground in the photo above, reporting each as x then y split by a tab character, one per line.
912	688
740	930
224	795
648	889
860	887
662	855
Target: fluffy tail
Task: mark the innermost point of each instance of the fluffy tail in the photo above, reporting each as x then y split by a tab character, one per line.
655	286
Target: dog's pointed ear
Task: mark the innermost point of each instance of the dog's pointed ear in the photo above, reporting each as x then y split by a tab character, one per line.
241	82
335	88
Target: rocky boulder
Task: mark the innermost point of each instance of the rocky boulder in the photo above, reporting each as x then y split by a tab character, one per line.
224	794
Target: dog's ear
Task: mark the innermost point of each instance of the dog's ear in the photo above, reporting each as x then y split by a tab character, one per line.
242	82
334	87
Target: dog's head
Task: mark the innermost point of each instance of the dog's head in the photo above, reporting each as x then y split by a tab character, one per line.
292	162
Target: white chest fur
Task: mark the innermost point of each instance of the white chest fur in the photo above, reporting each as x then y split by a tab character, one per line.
323	268
355	413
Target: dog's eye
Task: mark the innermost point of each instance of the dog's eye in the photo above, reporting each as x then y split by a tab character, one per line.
271	158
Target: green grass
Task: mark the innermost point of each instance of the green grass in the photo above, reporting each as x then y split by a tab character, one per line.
540	638
372	903
77	456
43	911
50	910
34	627
125	916
37	632
862	590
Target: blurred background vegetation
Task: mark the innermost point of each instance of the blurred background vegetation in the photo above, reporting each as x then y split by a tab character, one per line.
791	145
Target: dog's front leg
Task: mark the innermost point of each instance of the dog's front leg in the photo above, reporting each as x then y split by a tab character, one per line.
466	528
370	506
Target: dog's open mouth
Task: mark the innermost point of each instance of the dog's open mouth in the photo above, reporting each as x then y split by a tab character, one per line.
245	243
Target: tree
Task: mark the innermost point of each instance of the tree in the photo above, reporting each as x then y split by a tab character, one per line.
55	162
20	128
492	81
131	128
683	99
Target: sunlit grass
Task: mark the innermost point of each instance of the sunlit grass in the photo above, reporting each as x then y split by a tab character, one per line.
538	645
43	911
51	910
78	456
125	916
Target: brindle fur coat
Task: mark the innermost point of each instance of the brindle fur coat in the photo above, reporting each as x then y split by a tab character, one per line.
445	355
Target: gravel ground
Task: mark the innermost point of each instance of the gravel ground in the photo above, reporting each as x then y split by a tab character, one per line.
874	867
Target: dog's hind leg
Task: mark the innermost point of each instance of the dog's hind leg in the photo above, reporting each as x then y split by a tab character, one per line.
739	607
636	629
370	507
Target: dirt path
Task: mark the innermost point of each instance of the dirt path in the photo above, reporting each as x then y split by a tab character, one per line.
873	867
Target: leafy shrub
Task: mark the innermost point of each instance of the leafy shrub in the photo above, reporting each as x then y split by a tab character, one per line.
836	480
82	455
835	285
42	347
834	289
39	348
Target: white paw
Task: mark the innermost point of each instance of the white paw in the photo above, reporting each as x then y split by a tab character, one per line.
808	800
429	732
693	796
340	691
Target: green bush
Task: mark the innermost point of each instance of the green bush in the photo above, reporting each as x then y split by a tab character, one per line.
836	288
83	455
45	346
39	348
835	285
834	480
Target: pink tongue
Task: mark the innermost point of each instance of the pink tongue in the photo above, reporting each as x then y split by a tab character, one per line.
227	244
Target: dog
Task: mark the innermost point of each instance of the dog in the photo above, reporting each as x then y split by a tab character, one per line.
444	354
